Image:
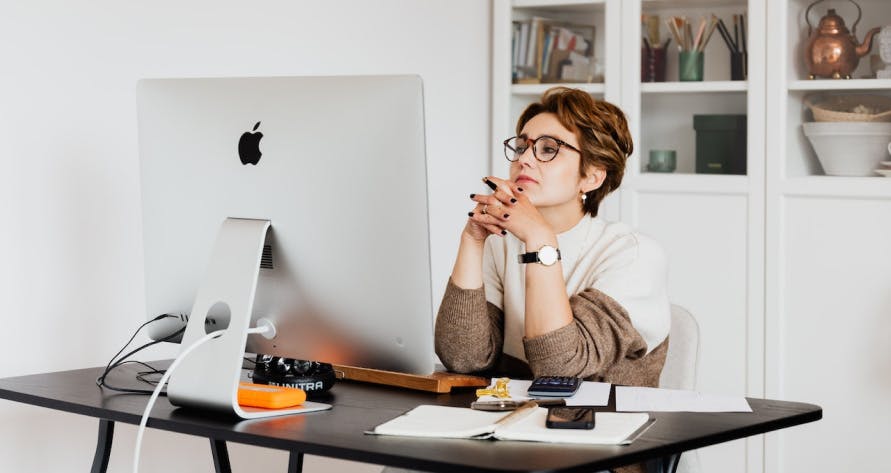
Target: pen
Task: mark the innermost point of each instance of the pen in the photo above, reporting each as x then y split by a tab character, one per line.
722	28
674	31
708	34
697	45
742	30
736	32
518	414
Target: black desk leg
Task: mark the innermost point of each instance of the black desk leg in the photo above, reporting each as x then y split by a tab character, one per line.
671	463
295	462
220	456
103	446
668	464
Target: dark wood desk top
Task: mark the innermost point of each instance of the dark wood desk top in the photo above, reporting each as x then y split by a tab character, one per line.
359	407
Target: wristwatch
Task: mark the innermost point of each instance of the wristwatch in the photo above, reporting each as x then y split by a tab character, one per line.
546	255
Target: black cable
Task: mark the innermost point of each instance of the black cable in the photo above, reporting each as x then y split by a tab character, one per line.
162	316
121	360
111	366
140	376
101	380
155	342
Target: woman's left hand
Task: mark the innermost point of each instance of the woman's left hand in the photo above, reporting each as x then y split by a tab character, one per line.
521	218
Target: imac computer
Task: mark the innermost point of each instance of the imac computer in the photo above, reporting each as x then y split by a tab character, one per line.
299	200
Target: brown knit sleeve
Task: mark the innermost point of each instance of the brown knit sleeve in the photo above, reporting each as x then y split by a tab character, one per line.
469	330
600	336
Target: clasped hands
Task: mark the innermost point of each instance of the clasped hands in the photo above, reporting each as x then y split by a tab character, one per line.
507	209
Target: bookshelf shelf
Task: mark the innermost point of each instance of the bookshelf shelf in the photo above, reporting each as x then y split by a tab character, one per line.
538	89
557	3
679	183
693	87
840	84
690	3
877	187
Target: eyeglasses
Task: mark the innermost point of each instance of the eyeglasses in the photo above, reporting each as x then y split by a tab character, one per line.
544	148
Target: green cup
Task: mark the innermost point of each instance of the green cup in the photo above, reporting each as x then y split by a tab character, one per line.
690	65
662	160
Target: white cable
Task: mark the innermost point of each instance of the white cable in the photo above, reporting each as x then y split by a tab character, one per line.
261	329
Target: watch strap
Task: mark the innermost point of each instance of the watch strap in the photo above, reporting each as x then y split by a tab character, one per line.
532	257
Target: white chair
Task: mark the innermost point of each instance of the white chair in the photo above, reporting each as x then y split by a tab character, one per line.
679	371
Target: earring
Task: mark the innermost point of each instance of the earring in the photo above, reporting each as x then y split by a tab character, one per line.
584	197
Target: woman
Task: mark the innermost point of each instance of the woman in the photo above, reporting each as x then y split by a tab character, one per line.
542	285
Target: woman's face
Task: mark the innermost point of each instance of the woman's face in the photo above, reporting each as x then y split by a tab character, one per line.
553	183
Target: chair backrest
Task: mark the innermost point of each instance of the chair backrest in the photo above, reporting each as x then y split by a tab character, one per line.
682	359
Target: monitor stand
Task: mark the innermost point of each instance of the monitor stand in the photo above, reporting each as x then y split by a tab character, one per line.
208	377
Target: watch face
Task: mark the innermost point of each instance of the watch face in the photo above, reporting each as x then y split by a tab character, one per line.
547	255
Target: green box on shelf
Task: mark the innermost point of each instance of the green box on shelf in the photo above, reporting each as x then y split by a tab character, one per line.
720	144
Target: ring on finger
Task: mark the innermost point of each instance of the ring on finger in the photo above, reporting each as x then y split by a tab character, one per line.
485	207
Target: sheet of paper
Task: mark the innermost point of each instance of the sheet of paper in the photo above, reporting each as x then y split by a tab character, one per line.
635	399
589	394
441	422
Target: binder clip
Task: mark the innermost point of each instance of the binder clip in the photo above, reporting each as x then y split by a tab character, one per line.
500	390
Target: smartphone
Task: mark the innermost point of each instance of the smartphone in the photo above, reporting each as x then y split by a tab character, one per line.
570	418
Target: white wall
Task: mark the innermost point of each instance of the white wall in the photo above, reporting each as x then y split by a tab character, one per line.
70	249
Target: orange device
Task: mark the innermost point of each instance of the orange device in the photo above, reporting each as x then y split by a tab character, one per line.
269	397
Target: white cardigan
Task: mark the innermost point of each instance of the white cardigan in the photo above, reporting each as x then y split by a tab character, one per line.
611	257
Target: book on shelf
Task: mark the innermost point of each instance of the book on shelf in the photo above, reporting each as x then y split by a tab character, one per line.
525	423
547	51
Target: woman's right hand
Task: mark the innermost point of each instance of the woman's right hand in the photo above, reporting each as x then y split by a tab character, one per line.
480	225
487	217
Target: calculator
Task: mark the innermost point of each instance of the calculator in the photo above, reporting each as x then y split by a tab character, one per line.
554	386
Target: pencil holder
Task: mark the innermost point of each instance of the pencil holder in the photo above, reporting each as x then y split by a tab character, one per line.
739	66
652	65
690	65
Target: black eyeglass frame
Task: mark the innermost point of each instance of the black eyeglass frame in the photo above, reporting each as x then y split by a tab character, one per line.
560	144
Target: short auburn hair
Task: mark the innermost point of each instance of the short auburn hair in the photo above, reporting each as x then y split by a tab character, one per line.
599	126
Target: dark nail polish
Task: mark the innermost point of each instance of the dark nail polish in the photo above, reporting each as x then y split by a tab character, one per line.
472	195
520	189
506	215
491	184
470	214
504	232
513	201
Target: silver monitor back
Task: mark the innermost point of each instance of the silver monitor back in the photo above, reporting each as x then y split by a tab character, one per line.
342	177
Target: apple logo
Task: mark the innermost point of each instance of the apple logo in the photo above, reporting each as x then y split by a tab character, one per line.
249	146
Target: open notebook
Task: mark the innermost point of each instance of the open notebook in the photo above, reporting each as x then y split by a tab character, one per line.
610	428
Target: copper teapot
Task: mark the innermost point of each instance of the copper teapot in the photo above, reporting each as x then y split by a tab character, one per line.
832	50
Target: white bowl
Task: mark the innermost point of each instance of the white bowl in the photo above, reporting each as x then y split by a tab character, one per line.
849	148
